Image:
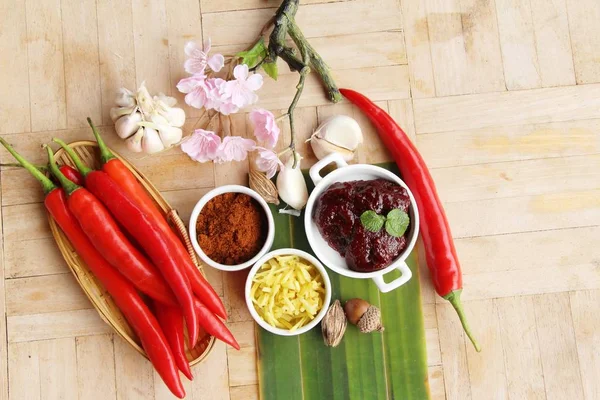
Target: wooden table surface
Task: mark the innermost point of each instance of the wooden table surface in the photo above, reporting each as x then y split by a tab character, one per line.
501	96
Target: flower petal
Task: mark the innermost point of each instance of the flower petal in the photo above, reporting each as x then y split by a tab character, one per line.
240	72
254	82
190	48
194	65
216	62
202	145
206	45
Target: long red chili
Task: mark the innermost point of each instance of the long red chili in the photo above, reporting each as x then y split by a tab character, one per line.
214	326
136	192
122	291
146	233
441	256
171	322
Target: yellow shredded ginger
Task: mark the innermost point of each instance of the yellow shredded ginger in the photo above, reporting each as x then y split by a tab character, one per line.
287	292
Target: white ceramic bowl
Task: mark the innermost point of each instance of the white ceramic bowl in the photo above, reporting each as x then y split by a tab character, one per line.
231	189
326	283
327	254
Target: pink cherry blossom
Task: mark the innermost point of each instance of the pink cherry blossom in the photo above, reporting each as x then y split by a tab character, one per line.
268	162
265	127
217	98
234	148
199	59
241	90
196	89
202	145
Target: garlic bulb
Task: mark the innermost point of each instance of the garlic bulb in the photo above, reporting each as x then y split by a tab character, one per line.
148	124
291	184
338	134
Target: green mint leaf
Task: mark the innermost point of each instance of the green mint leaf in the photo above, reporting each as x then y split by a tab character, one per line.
372	221
397	222
271	69
255	55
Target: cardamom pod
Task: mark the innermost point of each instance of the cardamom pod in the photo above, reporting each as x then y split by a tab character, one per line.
263	186
333	325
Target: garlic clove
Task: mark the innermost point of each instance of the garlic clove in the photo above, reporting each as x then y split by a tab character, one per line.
118	112
124	98
127	125
166	100
175	116
291	184
323	148
144	100
169	135
134	143
151	142
337	134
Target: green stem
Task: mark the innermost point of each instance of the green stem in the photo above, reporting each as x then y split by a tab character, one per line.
67	184
454	298
83	169
105	154
47	184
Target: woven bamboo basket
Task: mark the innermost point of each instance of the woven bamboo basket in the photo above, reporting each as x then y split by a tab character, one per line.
88	151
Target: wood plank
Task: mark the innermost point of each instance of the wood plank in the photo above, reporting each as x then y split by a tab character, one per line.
454	353
20	188
416	28
436	383
518	178
242	366
527	213
585	38
46	68
162	392
24	372
82	64
214	384
506	108
94	382
14	78
402	112
235	302
18	228
447	44
184	24
315	20
558	349
209	6
482	46
134	374
518	43
23	328
244	332
248	392
553	42
584	310
151	44
58	383
434	356
524	375
487	372
558	248
510	143
278	94
116	51
44	294
21	262
4	378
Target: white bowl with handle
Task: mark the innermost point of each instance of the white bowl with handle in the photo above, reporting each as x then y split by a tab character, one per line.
330	257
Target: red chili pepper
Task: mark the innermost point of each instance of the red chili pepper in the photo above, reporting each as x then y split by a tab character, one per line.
441	256
121	290
71	174
213	325
171	322
146	233
136	192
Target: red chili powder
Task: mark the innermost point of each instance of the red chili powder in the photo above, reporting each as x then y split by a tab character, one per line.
231	228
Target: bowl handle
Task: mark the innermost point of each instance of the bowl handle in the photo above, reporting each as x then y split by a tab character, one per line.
315	170
395	284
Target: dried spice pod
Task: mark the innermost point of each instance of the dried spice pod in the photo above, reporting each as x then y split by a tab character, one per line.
263	186
365	316
333	325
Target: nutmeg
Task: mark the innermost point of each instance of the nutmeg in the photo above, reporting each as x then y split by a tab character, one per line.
333	325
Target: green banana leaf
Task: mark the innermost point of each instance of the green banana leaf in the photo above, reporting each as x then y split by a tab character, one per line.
388	365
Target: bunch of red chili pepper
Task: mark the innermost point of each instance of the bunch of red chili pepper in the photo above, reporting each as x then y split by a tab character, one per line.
117	230
440	253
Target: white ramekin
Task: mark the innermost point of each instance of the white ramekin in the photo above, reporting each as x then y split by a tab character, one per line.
231	189
327	254
326	283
